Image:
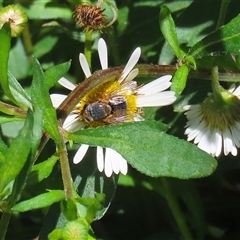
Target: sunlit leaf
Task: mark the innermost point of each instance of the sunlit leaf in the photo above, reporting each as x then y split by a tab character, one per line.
150	150
42	102
167	27
225	39
179	80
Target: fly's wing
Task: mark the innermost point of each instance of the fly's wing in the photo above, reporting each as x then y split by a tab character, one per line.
126	88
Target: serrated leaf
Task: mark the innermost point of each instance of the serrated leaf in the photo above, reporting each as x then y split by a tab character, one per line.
150	150
42	102
53	74
225	39
40	201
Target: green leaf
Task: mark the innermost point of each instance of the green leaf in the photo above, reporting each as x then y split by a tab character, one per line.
3	150
47	9
88	181
168	29
44	45
53	74
93	205
18	55
69	209
6	119
150	150
19	93
42	102
179	80
42	170
55	234
17	154
40	201
225	39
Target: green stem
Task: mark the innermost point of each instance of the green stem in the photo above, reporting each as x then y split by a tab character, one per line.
215	80
65	169
176	210
5	219
113	46
88	47
222	13
27	42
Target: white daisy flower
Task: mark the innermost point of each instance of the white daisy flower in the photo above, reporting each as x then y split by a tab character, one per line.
214	125
112	102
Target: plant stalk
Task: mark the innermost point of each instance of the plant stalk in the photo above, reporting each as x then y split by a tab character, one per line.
176	210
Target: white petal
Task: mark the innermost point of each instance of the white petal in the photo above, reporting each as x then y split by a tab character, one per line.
84	65
218	143
229	146
72	123
81	152
57	99
204	143
103	53
115	161
100	161
131	75
236	92
157	99
236	135
131	63
65	83
108	165
123	165
214	143
156	86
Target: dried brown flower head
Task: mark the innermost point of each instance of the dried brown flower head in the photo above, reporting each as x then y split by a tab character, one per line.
90	17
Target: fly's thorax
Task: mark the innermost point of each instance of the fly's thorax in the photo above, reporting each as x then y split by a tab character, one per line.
96	111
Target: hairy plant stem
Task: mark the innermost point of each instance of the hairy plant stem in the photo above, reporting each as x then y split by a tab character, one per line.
65	169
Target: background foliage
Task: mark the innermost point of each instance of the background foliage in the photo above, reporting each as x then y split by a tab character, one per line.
142	207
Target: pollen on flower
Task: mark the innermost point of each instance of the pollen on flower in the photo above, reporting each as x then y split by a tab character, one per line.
90	17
